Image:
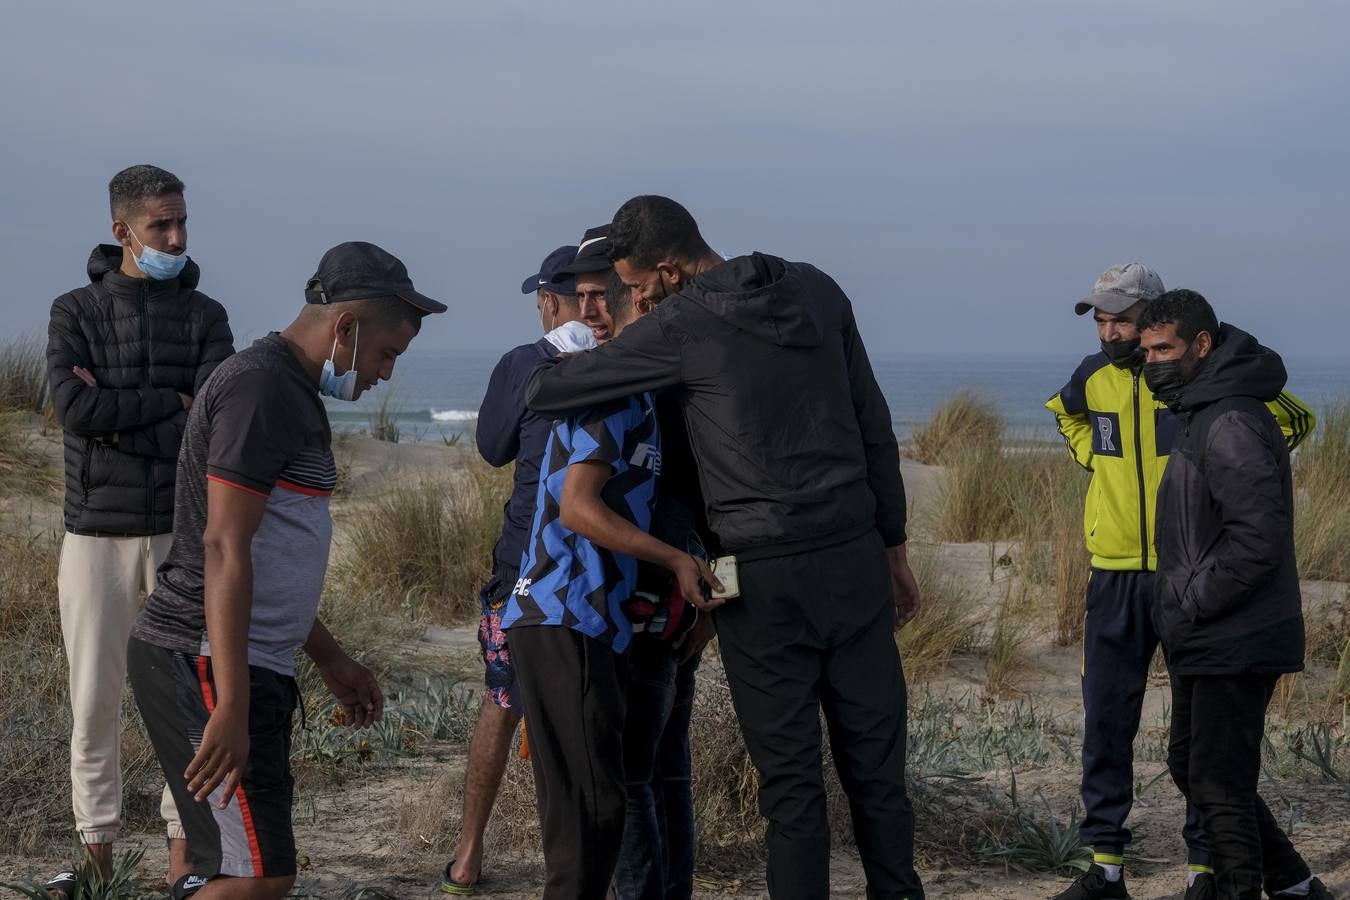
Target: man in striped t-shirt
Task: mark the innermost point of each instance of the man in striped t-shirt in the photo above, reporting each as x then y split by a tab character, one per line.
212	656
569	618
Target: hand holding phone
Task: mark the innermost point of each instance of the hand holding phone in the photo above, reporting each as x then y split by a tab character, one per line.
724	567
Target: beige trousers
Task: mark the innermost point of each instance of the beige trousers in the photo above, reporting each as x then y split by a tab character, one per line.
100	582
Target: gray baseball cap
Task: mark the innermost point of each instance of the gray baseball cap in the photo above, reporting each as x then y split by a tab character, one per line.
1121	287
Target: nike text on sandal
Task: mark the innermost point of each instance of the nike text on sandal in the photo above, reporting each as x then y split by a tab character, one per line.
187	886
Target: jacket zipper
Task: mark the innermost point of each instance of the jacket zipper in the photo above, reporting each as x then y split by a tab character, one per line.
85	465
1139	470
145	383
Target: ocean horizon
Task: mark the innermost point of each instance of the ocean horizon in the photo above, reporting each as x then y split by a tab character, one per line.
436	393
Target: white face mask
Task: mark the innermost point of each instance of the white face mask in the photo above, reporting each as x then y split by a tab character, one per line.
340	387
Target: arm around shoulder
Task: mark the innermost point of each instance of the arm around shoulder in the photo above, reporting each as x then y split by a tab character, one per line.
644	357
1295	418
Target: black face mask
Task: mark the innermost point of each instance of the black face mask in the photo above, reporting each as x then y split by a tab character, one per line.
1124	354
1164	380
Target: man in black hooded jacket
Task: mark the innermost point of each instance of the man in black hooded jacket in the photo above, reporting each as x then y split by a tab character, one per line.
800	474
1226	600
126	354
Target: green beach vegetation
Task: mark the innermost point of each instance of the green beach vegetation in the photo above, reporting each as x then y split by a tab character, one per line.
991	660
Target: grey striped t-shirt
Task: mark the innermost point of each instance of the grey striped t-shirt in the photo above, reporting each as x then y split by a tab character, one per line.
259	426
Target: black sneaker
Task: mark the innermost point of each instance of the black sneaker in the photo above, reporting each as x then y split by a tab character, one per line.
1092	885
62	885
1203	888
1316	891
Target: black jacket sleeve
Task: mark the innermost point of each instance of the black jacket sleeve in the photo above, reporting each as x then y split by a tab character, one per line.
644	357
217	346
95	411
498	431
163	438
1243	472
874	421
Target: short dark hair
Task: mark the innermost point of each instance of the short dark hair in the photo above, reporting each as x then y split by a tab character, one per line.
384	312
618	297
1186	309
130	187
648	229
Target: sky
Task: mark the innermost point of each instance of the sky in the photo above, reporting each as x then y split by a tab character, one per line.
963	170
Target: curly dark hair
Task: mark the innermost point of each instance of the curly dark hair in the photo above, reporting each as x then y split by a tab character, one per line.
1187	309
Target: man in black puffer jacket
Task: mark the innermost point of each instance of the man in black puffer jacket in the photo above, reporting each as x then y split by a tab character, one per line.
1226	599
125	356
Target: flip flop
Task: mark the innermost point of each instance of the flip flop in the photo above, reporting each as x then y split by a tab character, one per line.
187	886
64	884
458	888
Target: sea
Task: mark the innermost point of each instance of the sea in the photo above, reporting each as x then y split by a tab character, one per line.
435	394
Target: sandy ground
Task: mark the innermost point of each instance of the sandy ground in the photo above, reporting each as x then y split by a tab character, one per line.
351	835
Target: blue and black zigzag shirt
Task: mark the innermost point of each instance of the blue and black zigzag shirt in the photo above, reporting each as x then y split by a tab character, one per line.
564	578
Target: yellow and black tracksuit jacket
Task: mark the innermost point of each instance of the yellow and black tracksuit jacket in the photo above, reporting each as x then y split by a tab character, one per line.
1117	431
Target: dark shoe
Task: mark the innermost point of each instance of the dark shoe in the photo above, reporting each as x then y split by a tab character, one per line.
63	884
1092	885
1317	891
1203	888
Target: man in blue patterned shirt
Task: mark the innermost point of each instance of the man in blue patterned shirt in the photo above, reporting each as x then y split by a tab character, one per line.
598	474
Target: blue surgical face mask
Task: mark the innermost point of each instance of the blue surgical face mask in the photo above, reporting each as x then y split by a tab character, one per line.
340	387
156	264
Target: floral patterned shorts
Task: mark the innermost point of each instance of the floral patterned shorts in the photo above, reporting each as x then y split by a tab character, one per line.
499	677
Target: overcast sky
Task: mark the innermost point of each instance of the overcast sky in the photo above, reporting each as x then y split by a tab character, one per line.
963	170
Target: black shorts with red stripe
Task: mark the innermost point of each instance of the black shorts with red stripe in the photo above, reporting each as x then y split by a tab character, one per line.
251	837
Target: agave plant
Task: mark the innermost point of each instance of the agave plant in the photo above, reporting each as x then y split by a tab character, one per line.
92	884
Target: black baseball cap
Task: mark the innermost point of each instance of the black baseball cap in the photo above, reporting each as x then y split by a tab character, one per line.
550	267
357	270
592	254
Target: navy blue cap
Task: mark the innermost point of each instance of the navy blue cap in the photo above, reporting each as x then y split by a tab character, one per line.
548	270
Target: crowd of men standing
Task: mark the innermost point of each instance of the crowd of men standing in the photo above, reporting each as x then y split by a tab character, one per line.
701	449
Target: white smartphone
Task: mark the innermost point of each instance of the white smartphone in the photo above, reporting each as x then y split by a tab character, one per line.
724	567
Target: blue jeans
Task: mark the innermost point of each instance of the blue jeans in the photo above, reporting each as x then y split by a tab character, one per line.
674	788
641	873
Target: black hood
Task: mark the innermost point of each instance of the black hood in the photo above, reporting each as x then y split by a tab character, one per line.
1238	366
762	295
105	266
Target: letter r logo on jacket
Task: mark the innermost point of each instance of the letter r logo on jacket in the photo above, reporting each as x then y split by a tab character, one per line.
1105	433
1106	428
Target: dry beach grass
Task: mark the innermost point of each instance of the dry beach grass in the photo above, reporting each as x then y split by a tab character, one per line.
991	661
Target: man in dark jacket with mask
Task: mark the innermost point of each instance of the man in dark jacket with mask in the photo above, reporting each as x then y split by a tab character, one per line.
800	475
1115	429
1226	601
125	354
507	433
